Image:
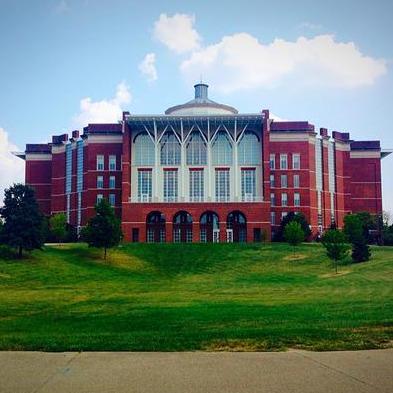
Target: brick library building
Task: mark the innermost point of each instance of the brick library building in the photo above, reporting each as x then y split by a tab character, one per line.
203	172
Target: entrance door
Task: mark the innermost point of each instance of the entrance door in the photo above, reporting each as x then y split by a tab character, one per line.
216	236
155	227
229	236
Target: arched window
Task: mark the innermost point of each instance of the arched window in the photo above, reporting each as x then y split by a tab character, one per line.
143	150
237	227
155	227
182	227
196	149
170	149
222	149
209	227
249	150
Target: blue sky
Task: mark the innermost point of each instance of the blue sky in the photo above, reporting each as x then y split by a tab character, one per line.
65	62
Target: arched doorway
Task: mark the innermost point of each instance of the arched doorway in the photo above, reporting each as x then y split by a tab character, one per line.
155	227
182	227
236	227
209	227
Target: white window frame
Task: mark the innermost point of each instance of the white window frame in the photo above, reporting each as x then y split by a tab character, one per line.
296	181
112	162
284	181
297	161
296	199
112	199
171	185
112	182
100	182
99	198
283	159
272	161
100	162
223	186
284	199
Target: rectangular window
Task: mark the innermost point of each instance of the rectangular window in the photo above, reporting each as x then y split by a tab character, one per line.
170	186
112	182
284	199
144	186
295	161
283	161
135	235
100	181
112	199
196	186
100	163
273	218
68	182
99	198
296	181
222	185
112	163
283	215
272	181
272	199
296	199
248	185
272	161
284	181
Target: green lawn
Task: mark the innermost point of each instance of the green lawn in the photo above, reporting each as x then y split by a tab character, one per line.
194	297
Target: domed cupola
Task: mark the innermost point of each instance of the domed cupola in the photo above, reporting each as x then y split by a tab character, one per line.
201	105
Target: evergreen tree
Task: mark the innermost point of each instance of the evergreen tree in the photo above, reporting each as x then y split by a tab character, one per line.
336	245
353	228
58	226
103	230
23	221
297	217
293	234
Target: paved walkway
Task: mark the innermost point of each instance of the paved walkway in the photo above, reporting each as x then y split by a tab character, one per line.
187	372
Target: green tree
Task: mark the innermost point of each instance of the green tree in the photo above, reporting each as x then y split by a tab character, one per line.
23	221
58	226
353	228
293	234
336	245
103	230
297	217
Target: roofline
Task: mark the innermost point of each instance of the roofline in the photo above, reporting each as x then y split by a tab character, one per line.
386	152
201	105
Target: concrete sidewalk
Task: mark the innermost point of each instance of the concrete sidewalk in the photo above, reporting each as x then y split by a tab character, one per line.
189	372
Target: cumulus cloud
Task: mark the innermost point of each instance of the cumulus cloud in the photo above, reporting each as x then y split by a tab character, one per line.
104	111
11	167
240	61
148	67
177	32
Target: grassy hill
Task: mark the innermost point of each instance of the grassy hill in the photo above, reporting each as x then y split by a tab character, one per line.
194	297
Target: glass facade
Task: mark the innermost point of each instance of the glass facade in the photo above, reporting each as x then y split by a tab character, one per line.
196	186
144	152
248	185
222	149
196	149
222	186
68	179
249	150
79	169
144	186
170	186
170	149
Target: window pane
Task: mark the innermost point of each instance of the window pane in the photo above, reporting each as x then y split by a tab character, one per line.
283	161
196	150
100	163
271	180
296	182
112	182
222	185
222	149
170	150
272	161
100	182
144	152
196	186
112	163
144	186
170	186
284	199
284	181
248	185
296	161
112	198
249	150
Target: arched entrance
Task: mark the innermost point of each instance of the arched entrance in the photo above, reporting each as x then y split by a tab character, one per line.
182	227
209	227
236	227
155	227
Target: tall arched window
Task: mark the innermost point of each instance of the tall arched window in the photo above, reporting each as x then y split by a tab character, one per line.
170	149
143	150
222	149
196	149
249	150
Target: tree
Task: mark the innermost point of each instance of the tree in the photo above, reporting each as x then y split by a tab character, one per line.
293	234
58	226
297	217
103	230
336	245
23	221
353	228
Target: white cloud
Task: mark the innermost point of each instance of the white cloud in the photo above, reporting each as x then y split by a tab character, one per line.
11	167
240	61
177	32
148	67
104	111
62	6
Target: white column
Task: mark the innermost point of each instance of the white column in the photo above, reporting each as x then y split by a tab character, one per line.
209	174
156	162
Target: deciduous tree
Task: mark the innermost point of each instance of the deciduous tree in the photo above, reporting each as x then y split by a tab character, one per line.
336	245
